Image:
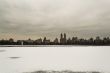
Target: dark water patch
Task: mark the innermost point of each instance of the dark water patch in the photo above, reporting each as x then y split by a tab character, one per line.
2	50
14	57
66	71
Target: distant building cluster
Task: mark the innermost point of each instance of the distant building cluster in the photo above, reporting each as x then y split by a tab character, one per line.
63	40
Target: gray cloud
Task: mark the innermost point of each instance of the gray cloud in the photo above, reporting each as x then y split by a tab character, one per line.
51	17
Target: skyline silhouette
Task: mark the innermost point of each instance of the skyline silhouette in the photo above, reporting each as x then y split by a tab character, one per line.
62	40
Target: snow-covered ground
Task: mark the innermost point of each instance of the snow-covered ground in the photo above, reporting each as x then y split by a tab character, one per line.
75	58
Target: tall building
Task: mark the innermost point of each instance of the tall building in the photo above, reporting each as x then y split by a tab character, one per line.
56	41
64	35
63	39
45	41
61	36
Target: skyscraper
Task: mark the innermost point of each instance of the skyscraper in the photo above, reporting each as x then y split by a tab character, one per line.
63	38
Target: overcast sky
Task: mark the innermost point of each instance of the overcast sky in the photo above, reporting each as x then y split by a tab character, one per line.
38	18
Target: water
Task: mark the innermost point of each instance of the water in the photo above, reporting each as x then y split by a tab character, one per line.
27	59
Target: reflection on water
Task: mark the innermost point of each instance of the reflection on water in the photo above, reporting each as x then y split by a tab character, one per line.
32	59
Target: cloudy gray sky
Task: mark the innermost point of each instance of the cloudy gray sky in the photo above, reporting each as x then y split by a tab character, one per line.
38	18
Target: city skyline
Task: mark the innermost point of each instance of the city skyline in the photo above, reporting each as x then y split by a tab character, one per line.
63	40
23	19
